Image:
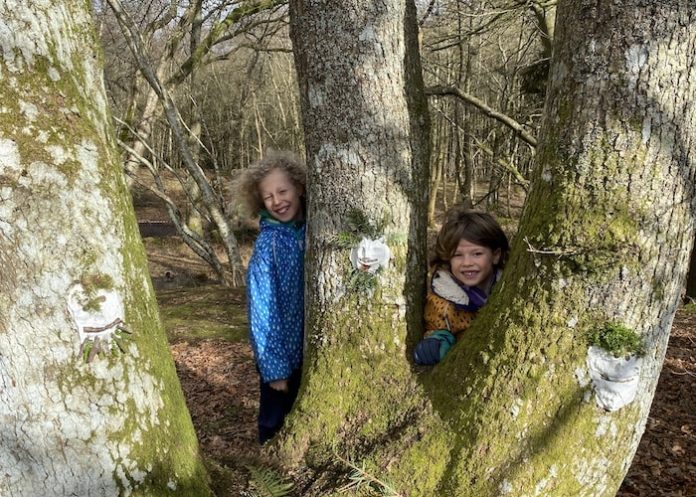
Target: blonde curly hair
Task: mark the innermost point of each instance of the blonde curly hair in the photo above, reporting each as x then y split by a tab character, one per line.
247	185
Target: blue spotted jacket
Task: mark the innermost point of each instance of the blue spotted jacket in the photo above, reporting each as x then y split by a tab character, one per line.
275	298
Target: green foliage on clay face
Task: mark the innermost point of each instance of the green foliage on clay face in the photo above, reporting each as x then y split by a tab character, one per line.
346	240
360	224
359	227
97	281
361	281
617	339
93	303
91	284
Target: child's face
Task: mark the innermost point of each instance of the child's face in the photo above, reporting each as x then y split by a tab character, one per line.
281	196
474	264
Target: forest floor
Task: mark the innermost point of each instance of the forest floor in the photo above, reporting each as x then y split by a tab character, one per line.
207	328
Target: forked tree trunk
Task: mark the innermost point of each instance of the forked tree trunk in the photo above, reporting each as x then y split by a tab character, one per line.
604	239
90	402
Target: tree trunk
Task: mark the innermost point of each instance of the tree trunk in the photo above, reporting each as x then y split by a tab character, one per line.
604	240
605	237
366	138
90	402
194	217
465	174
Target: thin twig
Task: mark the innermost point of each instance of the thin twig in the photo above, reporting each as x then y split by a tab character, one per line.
98	329
683	373
559	253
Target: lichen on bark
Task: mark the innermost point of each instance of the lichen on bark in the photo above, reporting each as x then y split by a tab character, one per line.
117	425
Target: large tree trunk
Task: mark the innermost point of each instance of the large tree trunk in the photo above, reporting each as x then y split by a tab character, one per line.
366	137
90	402
604	239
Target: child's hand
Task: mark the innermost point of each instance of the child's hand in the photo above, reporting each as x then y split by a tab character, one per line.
433	348
279	385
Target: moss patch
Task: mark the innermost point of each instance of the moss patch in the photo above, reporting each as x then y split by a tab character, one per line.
617	339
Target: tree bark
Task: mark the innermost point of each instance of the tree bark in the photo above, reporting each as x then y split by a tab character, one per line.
604	239
366	138
90	402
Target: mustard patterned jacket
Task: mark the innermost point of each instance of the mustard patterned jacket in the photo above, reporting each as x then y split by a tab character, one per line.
451	305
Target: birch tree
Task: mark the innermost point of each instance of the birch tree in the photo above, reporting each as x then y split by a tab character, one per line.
522	405
89	400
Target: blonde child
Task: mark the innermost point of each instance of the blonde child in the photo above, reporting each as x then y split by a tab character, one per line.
274	189
469	255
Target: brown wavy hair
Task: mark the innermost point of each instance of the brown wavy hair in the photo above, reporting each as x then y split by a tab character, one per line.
247	185
476	227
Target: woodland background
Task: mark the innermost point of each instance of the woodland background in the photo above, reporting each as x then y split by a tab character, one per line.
225	71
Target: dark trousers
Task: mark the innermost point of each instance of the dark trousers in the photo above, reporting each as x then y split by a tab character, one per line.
275	405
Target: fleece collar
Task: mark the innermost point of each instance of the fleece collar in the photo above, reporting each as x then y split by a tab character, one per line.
445	285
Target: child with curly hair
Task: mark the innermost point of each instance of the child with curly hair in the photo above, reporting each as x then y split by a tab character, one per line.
274	189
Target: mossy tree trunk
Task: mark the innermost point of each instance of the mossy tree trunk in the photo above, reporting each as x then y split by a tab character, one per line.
366	132
90	402
604	239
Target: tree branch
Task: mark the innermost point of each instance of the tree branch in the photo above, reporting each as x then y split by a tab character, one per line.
197	244
135	43
216	32
485	109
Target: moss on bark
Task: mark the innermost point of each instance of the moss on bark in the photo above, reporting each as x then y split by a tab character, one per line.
68	188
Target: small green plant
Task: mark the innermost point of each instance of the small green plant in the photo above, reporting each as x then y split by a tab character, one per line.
360	224
359	227
689	307
617	339
361	281
91	284
360	479
266	482
346	240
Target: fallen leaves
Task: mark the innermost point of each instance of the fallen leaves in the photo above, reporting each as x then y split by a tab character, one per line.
665	462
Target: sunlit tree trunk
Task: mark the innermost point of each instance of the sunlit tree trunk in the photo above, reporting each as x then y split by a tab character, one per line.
366	136
604	240
605	237
89	400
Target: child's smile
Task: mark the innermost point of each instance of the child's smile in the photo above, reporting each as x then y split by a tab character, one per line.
474	264
281	196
